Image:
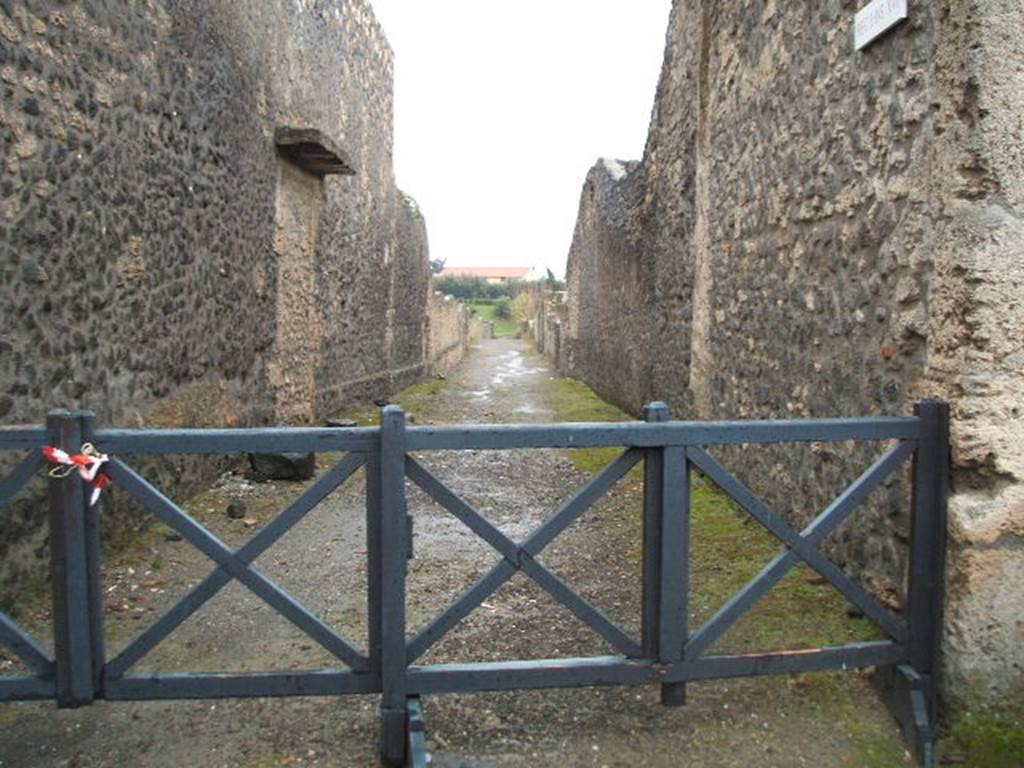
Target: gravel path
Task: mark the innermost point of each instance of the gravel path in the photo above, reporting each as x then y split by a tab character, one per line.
765	722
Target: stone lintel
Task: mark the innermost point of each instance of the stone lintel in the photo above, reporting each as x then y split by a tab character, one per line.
312	151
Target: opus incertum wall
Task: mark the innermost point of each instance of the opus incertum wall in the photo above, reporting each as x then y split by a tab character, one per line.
817	230
168	255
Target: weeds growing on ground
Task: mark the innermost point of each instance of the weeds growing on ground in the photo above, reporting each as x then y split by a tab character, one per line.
727	549
503	326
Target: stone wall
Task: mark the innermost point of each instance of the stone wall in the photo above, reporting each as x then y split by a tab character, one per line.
451	331
163	263
547	326
816	232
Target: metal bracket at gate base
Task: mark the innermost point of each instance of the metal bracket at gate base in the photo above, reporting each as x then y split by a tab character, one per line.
416	749
920	720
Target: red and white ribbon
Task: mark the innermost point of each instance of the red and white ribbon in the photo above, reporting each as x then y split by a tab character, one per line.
87	464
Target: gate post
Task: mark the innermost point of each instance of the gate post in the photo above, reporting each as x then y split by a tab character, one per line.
74	565
666	547
394	543
675	567
926	587
651	576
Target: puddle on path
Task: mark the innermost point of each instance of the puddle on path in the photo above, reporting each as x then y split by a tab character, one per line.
513	365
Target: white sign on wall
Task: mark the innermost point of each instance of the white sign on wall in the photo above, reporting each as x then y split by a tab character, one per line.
877	18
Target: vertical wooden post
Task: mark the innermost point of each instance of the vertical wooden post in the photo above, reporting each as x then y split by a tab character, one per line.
675	567
373	555
73	626
926	587
394	553
651	576
666	543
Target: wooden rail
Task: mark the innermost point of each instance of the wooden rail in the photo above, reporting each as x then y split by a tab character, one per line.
667	653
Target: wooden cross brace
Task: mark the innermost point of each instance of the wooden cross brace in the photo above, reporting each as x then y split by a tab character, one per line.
235	565
522	557
13	637
800	546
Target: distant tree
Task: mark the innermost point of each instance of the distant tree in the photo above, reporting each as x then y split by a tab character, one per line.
524	306
468	287
503	309
552	283
463	286
437	265
412	205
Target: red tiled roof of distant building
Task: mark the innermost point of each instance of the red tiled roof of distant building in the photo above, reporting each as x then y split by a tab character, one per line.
507	273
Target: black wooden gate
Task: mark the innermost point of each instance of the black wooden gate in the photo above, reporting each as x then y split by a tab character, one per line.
667	653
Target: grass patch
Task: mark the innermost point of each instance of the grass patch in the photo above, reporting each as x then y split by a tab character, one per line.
412	399
427	388
506	327
573	400
728	548
32	597
988	739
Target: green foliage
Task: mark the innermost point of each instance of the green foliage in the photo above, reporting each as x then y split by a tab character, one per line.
503	309
413	399
487	311
412	205
524	307
467	287
573	400
427	388
552	283
989	739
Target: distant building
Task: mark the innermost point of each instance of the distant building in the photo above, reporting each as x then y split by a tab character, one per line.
493	275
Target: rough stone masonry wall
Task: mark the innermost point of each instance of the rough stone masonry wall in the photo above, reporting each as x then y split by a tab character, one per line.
823	232
451	331
547	324
162	264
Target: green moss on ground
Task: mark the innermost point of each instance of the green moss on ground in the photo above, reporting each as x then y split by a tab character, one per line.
412	399
502	327
32	597
728	548
988	738
572	400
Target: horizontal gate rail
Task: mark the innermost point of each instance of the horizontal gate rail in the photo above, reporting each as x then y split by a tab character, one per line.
640	435
618	670
667	654
199	441
20	438
17	688
222	685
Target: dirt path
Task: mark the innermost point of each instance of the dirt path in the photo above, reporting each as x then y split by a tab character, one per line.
821	721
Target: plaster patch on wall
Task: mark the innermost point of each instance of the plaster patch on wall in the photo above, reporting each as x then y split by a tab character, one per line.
298	337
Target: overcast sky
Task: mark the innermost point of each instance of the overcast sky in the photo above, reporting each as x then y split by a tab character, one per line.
502	107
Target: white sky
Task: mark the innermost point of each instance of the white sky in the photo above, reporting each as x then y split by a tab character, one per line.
502	107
